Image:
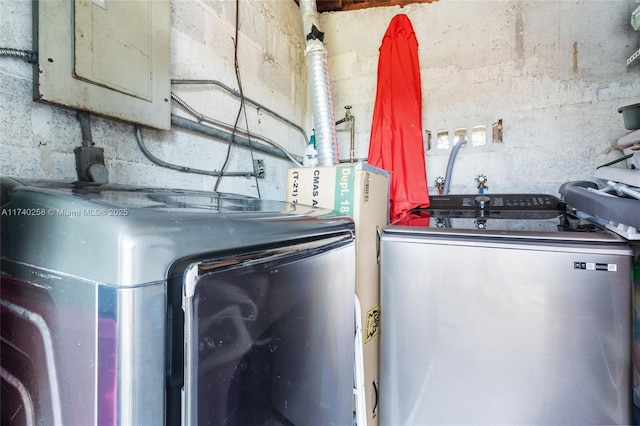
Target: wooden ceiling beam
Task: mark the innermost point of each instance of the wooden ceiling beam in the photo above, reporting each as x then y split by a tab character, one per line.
345	5
366	4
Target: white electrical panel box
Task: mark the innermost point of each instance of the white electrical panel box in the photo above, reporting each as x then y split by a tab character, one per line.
109	57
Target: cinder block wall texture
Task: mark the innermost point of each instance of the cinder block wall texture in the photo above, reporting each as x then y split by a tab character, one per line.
553	71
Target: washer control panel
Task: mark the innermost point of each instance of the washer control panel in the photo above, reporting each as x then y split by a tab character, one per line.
496	202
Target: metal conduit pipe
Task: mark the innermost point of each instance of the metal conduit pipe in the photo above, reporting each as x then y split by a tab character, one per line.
322	101
31	57
204	119
252	102
178	168
352	143
352	120
225	136
85	128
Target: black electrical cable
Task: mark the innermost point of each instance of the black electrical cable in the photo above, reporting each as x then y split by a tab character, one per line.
242	107
246	124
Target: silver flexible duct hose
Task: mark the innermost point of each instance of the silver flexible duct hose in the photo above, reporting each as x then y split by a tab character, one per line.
318	69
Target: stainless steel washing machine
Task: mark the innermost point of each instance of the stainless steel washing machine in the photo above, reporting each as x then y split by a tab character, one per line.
504	309
135	306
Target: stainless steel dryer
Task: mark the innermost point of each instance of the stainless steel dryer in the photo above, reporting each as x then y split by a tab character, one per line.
134	306
504	309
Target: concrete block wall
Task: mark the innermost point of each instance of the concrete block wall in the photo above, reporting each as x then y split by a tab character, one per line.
554	71
38	139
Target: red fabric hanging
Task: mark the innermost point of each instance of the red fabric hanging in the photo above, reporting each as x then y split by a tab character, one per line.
396	143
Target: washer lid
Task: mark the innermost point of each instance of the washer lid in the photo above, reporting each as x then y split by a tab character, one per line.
123	235
505	230
149	199
522	216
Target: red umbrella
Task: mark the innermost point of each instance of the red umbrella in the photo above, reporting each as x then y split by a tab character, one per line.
396	143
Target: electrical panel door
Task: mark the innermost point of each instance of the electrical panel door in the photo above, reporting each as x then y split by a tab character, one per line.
109	57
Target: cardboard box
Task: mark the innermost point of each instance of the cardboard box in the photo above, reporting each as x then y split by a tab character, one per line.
361	192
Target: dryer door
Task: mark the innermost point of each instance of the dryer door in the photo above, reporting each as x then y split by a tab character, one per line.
269	336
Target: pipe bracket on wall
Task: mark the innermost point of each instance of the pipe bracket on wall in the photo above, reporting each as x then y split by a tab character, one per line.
258	168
